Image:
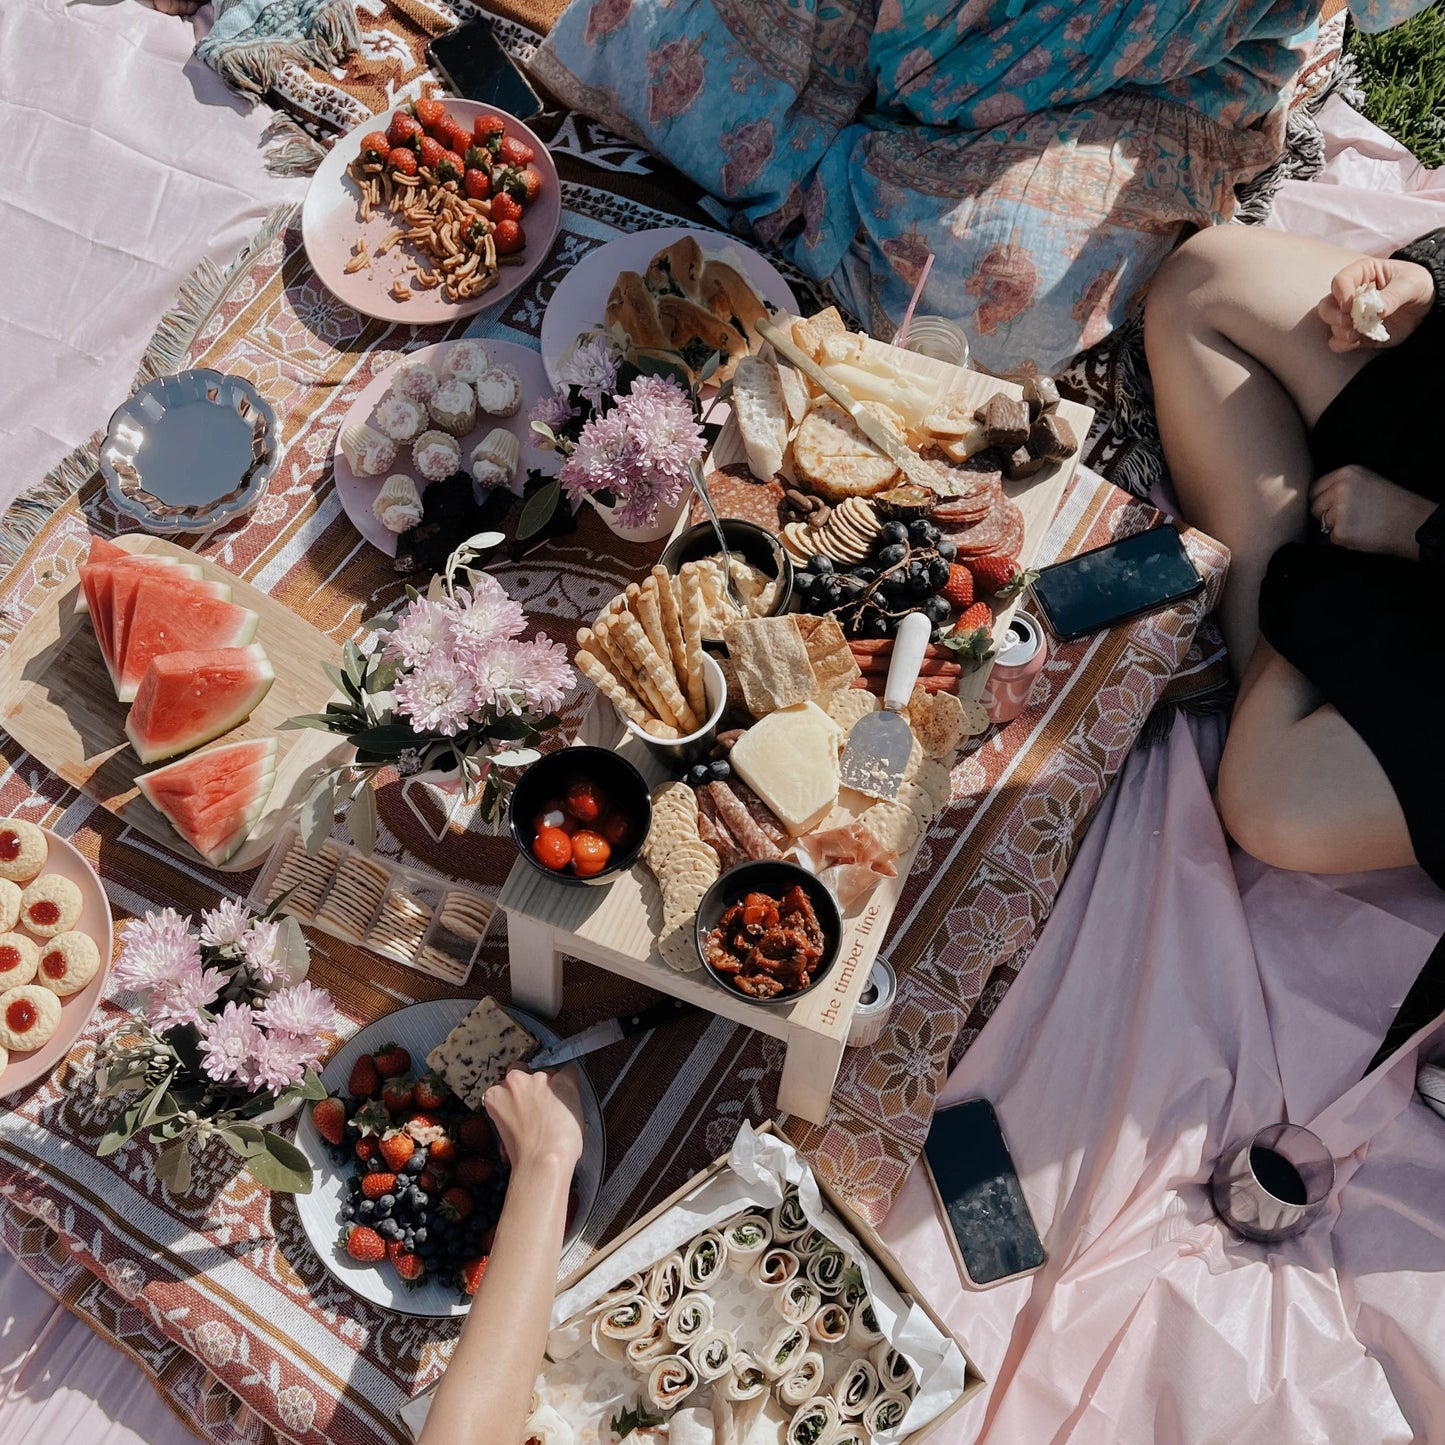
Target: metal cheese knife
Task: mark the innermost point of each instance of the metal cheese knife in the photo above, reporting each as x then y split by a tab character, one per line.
874	428
879	745
609	1032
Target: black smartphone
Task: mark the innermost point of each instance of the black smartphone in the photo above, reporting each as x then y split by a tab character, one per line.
475	66
976	1185
1115	582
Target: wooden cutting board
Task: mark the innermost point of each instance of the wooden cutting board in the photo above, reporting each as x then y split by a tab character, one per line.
56	700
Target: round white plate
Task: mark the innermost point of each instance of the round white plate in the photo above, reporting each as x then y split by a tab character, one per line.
419	1029
330	228
358	493
580	300
67	860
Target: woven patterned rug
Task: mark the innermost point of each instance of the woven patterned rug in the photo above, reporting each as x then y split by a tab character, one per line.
220	1285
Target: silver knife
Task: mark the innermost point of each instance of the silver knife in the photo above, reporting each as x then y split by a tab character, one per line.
609	1032
874	428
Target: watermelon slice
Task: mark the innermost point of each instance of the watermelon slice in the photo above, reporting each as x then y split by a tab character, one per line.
100	551
125	582
178	615
187	698
214	799
103	576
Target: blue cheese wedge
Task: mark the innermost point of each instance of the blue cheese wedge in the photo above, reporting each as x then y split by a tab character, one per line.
479	1051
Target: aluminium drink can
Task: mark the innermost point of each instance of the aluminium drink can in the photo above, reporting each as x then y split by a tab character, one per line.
1022	652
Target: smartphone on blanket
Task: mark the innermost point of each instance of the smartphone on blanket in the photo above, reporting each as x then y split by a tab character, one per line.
472	62
978	1189
1115	582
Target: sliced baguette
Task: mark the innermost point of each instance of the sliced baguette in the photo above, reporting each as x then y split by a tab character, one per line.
761	408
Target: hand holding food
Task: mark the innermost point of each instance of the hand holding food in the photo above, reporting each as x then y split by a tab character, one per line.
537	1116
1376	302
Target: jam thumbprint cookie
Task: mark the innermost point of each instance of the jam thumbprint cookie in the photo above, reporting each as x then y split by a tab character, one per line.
19	958
29	1016
67	963
50	905
9	904
23	850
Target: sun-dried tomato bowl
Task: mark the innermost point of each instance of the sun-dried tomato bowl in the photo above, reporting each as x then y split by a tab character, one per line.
548	781
774	878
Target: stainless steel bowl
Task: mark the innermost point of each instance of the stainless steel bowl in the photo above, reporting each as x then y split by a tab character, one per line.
190	452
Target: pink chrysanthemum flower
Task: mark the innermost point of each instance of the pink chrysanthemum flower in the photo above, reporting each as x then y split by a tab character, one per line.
224	924
421	628
591	368
484	614
438	696
664	430
229	1045
301	1010
159	950
183	1001
605	458
279	1061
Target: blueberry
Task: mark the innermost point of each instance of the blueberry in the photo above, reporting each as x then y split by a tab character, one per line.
697	775
895	532
417	1162
389	1229
348	1211
422	1236
720	770
387	1203
366	1209
946	549
893	555
820	566
418	1198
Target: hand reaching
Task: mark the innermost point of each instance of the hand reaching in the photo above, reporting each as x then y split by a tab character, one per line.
1406	289
538	1116
1359	509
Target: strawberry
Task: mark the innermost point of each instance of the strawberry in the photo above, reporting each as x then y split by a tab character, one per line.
391	1060
488	131
377	1183
473	1171
523	185
396	1148
409	1266
972	635
515	152
505	207
429	111
403	130
959	587
456	135
329	1116
402	161
371	1119
431	1091
425	1128
375	145
365	1244
442	1153
476	184
364	1080
430	1180
472	1272
456	1203
398	1094
478	158
431	152
509	238
474	1134
999	575
451	167
365	1150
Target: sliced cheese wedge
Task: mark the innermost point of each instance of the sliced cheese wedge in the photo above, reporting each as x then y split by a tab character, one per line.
790	760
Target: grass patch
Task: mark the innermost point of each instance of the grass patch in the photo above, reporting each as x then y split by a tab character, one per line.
1402	73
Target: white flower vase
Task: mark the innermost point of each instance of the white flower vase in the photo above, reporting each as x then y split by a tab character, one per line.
443	803
278	1115
662	527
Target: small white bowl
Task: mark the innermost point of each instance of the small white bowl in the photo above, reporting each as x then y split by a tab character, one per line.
695	747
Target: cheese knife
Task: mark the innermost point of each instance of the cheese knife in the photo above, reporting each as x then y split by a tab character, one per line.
874	428
879	745
609	1032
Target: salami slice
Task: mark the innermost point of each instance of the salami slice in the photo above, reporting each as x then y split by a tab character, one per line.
961	511
733	812
762	815
713	832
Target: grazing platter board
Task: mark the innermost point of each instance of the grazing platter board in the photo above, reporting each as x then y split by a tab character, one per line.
60	705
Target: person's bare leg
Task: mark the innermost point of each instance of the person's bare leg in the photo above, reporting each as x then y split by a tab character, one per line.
182	8
1298	787
1241	366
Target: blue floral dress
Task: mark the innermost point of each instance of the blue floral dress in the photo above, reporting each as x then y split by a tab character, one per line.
1047	153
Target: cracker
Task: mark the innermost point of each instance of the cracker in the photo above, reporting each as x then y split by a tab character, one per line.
614	690
465	916
678	947
655	673
694	622
441	964
934	780
938	721
672	624
850	706
895	825
689	858
772	663
834	665
975	716
648	611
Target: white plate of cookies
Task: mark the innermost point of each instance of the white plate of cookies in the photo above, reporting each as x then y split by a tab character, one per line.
55	950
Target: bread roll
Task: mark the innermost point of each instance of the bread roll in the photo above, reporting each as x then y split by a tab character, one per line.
728	296
632	307
762	414
677	268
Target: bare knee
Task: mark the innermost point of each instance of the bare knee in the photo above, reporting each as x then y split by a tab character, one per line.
1187	291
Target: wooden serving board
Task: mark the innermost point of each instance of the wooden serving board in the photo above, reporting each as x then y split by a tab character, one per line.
56	700
1037	497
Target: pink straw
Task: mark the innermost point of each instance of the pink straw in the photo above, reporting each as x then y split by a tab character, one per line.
902	334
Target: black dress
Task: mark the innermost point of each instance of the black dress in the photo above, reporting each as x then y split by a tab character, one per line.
1369	631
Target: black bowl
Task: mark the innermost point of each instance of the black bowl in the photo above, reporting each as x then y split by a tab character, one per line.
548	778
774	877
746	540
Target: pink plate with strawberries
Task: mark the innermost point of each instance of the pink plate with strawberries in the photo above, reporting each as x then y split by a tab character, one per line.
334	234
65	859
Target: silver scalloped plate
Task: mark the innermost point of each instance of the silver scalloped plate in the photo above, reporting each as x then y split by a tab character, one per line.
191	451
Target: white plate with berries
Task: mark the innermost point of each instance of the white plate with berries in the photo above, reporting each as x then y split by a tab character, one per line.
418	1228
347	252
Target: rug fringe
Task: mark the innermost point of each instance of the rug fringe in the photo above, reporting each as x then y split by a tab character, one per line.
196	299
252	67
290	151
1214	702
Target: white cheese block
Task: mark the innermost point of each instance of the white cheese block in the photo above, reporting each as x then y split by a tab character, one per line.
790	760
479	1051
